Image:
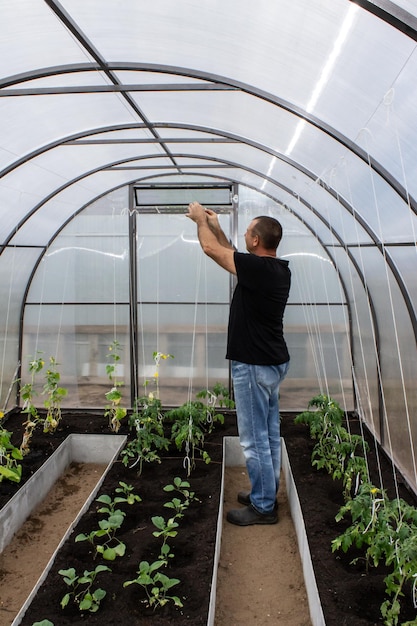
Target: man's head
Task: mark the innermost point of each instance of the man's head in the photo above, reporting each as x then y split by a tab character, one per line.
263	234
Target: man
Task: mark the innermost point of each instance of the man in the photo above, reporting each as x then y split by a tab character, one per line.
257	351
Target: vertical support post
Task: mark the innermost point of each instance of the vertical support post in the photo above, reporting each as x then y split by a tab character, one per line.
133	300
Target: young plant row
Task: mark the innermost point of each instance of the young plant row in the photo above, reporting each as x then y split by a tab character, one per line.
83	589
185	426
385	530
11	455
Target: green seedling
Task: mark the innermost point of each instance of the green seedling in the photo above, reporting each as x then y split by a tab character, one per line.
104	538
113	411
27	394
128	496
82	592
10	468
156	584
336	450
386	530
192	421
55	394
147	422
166	529
183	488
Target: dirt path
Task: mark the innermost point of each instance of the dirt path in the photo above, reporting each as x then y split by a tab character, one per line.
260	579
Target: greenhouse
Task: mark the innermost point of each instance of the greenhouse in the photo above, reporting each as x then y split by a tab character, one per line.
115	115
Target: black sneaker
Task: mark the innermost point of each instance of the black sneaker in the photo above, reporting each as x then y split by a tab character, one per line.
249	516
243	497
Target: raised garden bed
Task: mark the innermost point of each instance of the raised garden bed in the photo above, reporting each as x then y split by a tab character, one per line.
351	595
193	548
348	594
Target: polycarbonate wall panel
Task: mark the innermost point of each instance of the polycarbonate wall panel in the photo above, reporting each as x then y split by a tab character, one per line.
78	300
50	216
363	356
384	212
78	337
171	265
195	335
398	365
16	265
405	258
88	262
183	302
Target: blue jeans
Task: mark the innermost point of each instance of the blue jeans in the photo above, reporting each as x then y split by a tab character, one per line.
256	389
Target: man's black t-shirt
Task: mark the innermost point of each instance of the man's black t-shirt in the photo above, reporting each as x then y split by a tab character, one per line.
255	333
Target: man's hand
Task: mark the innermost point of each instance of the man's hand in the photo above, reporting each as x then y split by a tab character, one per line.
212	220
211	237
196	212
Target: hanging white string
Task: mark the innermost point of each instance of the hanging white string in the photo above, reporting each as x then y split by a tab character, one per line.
6	331
361	333
187	460
61	312
342	296
335	185
304	282
388	101
141	323
392	310
193	341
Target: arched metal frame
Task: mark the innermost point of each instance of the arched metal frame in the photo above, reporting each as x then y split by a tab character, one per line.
216	167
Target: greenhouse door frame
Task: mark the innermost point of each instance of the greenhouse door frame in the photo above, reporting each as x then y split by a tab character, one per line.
230	207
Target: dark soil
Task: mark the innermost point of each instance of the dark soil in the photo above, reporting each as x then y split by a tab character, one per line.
193	547
350	595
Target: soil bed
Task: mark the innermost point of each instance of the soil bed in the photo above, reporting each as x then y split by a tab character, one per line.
350	595
193	547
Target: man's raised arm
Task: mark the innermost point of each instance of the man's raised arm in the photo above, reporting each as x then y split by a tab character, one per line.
211	236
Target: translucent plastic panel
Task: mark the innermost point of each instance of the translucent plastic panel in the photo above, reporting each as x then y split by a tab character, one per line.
186	31
40	228
195	336
79	337
385	213
243	115
321	229
47	40
314	278
407	5
75	160
86	266
364	356
245	156
175	196
405	258
397	361
304	51
392	135
41	120
171	265
364	53
319	346
15	268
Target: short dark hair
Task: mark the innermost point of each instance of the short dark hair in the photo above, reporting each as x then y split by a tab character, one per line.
269	231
